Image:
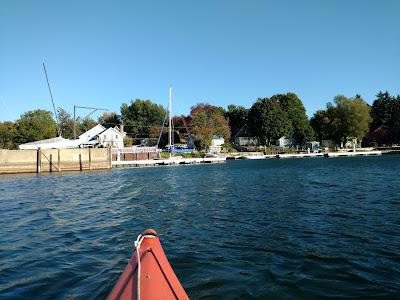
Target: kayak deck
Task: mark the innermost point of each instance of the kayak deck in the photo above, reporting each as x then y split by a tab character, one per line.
157	280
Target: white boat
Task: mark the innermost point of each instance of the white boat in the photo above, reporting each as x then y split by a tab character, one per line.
254	156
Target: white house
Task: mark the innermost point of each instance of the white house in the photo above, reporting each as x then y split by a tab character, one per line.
313	146
285	142
112	137
216	144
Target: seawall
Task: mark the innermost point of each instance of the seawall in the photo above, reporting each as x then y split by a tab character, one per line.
54	160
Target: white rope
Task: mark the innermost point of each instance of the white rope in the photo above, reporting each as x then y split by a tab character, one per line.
138	242
137	246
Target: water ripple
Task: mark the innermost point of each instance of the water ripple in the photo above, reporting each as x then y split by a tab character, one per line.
274	229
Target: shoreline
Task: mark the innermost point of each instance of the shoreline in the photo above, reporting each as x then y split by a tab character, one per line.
212	160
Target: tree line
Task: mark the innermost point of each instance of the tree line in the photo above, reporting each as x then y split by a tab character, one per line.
268	119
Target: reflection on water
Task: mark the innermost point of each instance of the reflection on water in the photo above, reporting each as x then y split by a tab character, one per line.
276	229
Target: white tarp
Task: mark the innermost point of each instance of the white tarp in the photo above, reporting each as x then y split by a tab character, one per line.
53	143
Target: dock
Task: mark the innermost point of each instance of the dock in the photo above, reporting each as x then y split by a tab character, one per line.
357	153
167	162
305	155
300	155
210	160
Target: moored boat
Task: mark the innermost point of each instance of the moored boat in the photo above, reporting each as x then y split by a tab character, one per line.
148	274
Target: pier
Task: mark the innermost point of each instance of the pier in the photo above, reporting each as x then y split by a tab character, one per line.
310	155
167	162
357	153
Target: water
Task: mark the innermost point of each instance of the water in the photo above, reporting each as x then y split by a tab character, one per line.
275	229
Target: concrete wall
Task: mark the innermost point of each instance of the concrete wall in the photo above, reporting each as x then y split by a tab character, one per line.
18	161
54	160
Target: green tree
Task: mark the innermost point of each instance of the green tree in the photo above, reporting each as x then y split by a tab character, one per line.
237	117
296	113
343	118
207	121
269	121
35	125
66	123
7	133
110	119
351	118
381	110
321	124
128	141
140	116
394	124
86	124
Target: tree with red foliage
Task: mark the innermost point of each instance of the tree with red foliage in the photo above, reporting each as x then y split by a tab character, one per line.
207	121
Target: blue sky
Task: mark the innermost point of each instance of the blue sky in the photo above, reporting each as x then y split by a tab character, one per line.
103	53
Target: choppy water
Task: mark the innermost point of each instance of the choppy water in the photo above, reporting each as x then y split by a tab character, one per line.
275	229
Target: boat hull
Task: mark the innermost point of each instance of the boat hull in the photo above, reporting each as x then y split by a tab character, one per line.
157	279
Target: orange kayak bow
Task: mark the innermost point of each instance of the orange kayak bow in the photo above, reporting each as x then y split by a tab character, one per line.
151	276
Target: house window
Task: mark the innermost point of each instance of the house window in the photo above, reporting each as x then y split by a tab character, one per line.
116	137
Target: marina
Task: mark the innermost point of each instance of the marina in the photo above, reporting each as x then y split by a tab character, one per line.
167	162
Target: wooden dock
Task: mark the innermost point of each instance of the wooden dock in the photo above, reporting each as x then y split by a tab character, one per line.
167	162
357	153
300	155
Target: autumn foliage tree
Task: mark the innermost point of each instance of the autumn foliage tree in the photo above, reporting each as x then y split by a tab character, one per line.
207	121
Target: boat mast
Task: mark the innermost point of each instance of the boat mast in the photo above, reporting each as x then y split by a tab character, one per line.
170	122
58	123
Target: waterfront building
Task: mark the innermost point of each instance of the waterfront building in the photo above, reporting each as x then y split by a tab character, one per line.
285	142
53	143
313	146
90	137
216	144
97	136
244	138
247	141
112	137
380	136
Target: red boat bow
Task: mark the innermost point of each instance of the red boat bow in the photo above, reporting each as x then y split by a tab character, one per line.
157	280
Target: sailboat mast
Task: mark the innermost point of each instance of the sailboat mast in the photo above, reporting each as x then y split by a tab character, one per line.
58	123
170	122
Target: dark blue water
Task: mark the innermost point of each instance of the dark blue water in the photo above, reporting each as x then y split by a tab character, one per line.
275	229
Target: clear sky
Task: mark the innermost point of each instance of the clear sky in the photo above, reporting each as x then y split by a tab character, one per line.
103	53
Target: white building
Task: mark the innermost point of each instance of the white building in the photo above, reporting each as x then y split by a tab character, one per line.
91	133
216	144
285	142
94	137
313	146
53	143
112	137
